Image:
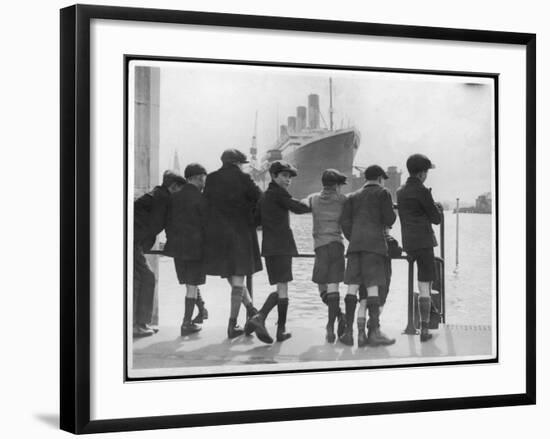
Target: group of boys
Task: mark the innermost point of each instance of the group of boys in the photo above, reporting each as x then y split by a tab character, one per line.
211	224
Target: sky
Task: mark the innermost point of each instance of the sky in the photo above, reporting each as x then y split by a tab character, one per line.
206	108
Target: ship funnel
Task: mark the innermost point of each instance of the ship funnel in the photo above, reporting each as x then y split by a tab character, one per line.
313	110
291	122
284	132
300	118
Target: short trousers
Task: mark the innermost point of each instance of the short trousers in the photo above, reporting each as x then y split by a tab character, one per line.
190	272
279	268
383	290
365	268
425	260
330	264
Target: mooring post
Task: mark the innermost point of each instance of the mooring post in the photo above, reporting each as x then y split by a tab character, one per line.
410	329
457	216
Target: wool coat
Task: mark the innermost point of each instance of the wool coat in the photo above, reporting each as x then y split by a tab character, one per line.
231	241
417	213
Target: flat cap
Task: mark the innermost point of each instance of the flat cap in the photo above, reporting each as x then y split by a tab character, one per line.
418	162
233	155
331	177
193	169
375	171
280	166
170	177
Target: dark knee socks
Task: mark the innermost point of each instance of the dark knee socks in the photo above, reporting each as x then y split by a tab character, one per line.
350	302
373	305
282	308
425	304
269	304
236	298
333	302
189	305
200	302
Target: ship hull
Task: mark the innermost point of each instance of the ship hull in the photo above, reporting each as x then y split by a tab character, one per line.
335	151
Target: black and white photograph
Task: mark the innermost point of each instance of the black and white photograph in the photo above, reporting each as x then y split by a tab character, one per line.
285	218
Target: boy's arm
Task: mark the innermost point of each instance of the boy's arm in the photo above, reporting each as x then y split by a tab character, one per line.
429	206
294	205
258	214
159	210
388	214
346	219
253	191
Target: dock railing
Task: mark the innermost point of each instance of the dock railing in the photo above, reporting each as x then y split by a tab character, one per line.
412	304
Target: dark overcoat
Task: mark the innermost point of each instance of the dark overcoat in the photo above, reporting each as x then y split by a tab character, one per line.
273	214
231	242
417	213
367	212
150	215
186	224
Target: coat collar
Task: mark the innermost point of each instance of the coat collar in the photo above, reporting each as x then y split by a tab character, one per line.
414	181
230	166
274	187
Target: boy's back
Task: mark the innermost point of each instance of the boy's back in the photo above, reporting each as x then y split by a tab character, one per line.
367	212
417	213
273	209
327	207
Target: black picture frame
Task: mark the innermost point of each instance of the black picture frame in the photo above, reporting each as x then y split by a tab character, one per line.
75	217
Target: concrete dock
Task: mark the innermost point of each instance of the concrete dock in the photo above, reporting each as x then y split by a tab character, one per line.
209	351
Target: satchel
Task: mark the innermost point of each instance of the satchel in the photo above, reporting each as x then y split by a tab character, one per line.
394	250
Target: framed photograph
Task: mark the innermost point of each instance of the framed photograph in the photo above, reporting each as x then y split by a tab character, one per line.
276	206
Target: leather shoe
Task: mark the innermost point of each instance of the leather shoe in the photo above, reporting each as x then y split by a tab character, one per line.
282	335
257	324
189	328
378	338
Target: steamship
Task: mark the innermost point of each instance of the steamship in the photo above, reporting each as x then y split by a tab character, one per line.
309	147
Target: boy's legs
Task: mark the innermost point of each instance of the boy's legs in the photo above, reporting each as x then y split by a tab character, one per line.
237	291
191	274
424	304
282	309
144	289
350	302
352	279
328	272
279	271
202	313
189	327
425	261
334	312
362	316
373	272
247	302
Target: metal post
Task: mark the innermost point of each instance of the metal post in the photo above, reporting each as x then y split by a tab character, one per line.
442	249
457	216
410	329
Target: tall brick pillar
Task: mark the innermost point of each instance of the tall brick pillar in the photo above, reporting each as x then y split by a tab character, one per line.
146	143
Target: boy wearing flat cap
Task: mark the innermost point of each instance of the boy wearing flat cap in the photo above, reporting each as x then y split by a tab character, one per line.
367	214
150	216
329	266
185	242
278	246
417	212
